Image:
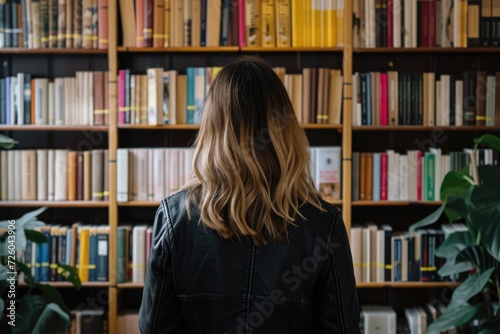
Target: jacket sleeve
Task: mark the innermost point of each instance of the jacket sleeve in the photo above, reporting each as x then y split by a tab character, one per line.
160	310
335	299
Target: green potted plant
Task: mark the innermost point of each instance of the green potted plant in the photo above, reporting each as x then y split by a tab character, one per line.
474	199
39	308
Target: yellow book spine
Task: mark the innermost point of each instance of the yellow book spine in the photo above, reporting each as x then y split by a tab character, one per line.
83	261
297	24
252	22
267	23
339	8
317	27
331	23
215	71
307	23
283	38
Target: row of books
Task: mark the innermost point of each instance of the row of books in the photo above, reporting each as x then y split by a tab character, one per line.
151	174
410	176
85	247
393	98
79	100
132	253
54	24
167	97
383	255
430	23
53	175
266	23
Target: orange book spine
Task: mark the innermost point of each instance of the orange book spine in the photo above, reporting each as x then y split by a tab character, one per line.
103	24
159	25
139	18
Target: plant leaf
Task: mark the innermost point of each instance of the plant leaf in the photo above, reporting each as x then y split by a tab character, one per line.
455	243
36	236
21	225
51	295
489	177
2	305
490	140
70	274
28	277
455	208
454	316
7	142
3	274
470	287
476	255
451	268
430	219
454	184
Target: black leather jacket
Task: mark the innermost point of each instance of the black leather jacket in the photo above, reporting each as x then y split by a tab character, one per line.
198	282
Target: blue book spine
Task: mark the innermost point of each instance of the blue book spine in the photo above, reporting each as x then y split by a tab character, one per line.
45	257
225	22
376	177
93	257
38	262
27	99
102	257
190	104
397	260
199	93
69	234
203	23
368	99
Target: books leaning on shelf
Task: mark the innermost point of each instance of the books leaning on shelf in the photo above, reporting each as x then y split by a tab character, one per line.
167	97
430	23
212	23
393	98
79	100
383	255
413	176
85	247
53	175
151	174
52	24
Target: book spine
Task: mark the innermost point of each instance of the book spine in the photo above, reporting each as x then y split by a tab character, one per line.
103	24
225	22
474	23
102	255
383	177
121	97
77	24
148	23
384	108
203	23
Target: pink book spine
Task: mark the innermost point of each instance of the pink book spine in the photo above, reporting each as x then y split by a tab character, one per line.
384	109
121	97
383	176
419	176
241	22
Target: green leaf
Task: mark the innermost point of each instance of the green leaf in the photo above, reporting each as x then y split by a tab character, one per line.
454	316
36	236
430	219
455	208
52	320
3	273
2	305
37	316
70	274
455	243
489	177
470	287
28	277
27	220
454	184
451	268
51	295
476	255
7	142
490	140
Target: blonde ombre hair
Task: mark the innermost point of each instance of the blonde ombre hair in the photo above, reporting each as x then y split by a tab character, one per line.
251	160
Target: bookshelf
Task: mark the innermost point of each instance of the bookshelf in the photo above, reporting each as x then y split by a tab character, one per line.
350	59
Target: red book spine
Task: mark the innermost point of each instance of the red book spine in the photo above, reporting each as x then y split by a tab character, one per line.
384	109
241	22
148	23
419	176
424	23
121	97
383	176
432	23
390	23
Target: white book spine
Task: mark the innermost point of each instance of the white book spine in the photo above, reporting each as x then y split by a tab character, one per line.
365	265
18	177
51	168
396	40
20	98
138	254
90	98
13	101
3	175
380	274
188	165
41	172
151	175
142	174
155	104
172	89
11	170
61	171
404	173
407	24
159	173
58	104
328	171
122	163
49	105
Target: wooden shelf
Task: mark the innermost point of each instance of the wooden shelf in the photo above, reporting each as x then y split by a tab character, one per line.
70	285
412	285
178	49
130	285
159	127
425	50
139	203
95	128
290	49
424	128
197	126
396	203
54	51
55	204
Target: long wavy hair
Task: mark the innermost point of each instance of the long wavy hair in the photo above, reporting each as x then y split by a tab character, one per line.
251	160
